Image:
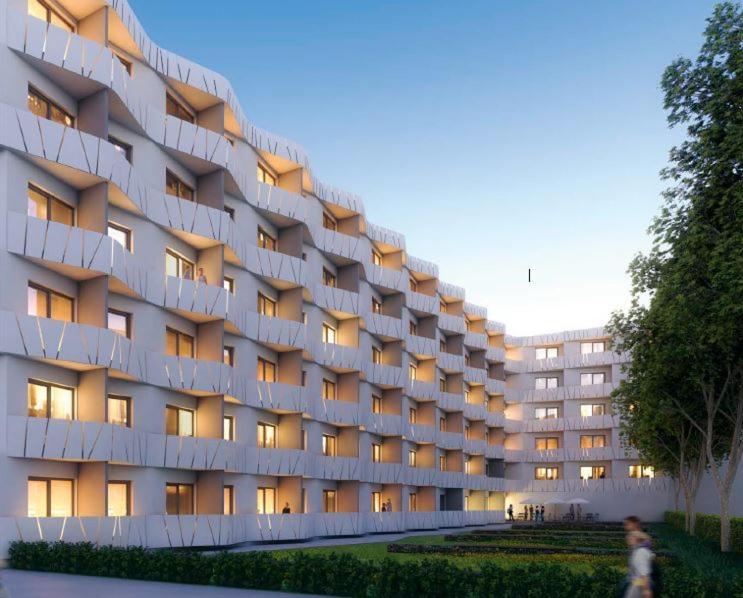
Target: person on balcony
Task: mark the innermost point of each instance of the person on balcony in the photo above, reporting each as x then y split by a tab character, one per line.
202	276
286	510
389	505
510	513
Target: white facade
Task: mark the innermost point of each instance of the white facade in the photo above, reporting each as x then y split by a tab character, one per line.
310	360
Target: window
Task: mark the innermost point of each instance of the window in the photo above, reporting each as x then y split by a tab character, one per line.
542	383
592	347
412	328
376	453
42	10
178	421
124	149
329	222
265	175
119	499
175	186
466	359
590	409
412	502
179	499
412	415
442	462
545	413
266	306
50	497
442	424
328	501
545	473
50	400
228	355
376	404
328	333
178	343
466	388
42	106
177	265
120	322
376	502
545	444
467	431
412	371
413	284
265	240
592	441
173	107
546	352
120	234
442	306
592	472
376	306
376	355
304	377
266	435
230	212
328	390
47	207
442	384
125	63
46	303
229	284
328	278
329	445
641	471
412	458
467	465
596	378
228	500
266	501
119	411
228	427
376	257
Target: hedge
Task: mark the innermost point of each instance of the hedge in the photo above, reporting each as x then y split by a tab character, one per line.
347	575
541	539
708	527
470	549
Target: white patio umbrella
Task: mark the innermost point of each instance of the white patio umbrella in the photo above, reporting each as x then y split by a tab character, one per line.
554	501
528	501
577	501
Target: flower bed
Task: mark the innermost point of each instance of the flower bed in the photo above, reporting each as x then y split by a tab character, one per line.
541	539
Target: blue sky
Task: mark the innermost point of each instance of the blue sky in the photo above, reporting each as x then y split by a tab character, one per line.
496	135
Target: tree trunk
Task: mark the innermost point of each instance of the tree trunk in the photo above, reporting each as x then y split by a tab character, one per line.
725	520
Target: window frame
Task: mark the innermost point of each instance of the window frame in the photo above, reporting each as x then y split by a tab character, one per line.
181	261
49	292
51	199
180	108
48	482
266	240
128	485
329	279
52	10
262	436
127	320
329	445
48	409
178	335
546	473
264	172
264	301
228	427
329	390
181	186
127	232
34	91
178	486
178	409
263	365
329	332
127	401
125	148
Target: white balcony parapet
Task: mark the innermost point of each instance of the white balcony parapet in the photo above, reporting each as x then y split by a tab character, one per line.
421	345
386	278
421	433
386	376
339	244
450	361
385	236
475	375
476	340
421	266
339	356
450	440
495	354
286	269
334	299
276	331
494	386
475	411
384	326
421	303
447	289
450	401
422	390
384	424
451	323
333	468
335	412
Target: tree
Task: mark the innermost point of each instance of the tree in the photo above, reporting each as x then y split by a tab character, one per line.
692	278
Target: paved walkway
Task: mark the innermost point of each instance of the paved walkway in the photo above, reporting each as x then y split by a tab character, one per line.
367	539
35	584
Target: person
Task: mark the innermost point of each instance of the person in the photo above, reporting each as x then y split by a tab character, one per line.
632	523
639	567
202	276
286	509
187	273
572	512
384	507
531	512
536	513
526	513
510	512
541	514
389	505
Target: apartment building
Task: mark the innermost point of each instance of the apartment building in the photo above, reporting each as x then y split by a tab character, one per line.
203	344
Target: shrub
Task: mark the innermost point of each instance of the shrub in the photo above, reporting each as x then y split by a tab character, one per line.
708	527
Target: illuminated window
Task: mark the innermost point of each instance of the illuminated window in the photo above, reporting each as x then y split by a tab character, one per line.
266	435
376	404
467	465
592	347
589	379
442	306
266	501
176	187
228	427
42	10
265	175
119	499
376	502
376	453
412	372
265	240
179	499
412	458
329	445
376	355
442	462
179	343
442	424
544	444
43	107
412	328
50	400
229	284
178	421
45	206
328	501
120	322
376	306
329	222
413	284
120	234
442	384
177	265
228	500
228	355
328	333
545	413
641	471
124	149
412	415
592	472
49	497
545	473
543	383
119	411
412	502
592	441
376	258
466	392
328	390
266	306
590	409
174	107
546	352
467	359
328	278
45	303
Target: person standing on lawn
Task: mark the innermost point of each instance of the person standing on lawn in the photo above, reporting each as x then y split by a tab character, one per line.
510	512
640	566
541	514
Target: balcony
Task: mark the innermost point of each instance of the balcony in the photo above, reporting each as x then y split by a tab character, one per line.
450	323
421	433
274	396
494	451
449	362
451	401
420	346
384	424
385	236
475	446
195	300
384	473
335	412
475	411
277	333
280	202
495	354
333	468
276	461
495	387
384	376
421	303
338	244
475	375
336	301
339	357
384	327
476	340
495	419
450	440
552	424
281	270
422	390
386	278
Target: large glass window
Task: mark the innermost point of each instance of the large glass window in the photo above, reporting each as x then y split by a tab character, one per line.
544	444
546	352
179	421
42	106
412	502
266	501
412	458
179	343
376	404
175	186
329	222
228	427
545	473
641	471
47	207
328	501
328	390
174	107
120	322
376	257
545	413
179	499
376	452
266	435
592	472
592	347
266	306
228	499
45	303
266	370
119	411
328	334
178	266
591	409
592	441
329	445
376	502
265	240
49	497
44	11
120	234
265	175
595	378
50	400
542	382
328	278
119	499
